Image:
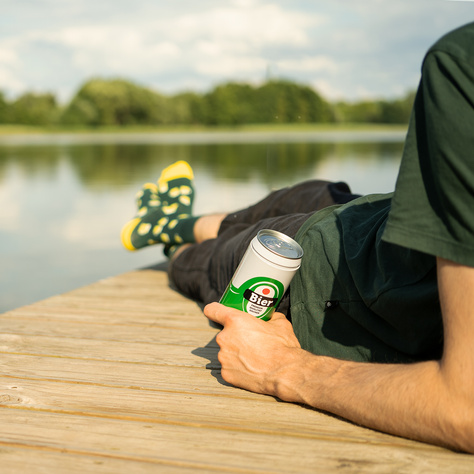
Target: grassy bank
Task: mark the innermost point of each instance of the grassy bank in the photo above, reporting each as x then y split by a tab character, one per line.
365	127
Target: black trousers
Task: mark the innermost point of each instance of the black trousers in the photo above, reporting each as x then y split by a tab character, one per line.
203	271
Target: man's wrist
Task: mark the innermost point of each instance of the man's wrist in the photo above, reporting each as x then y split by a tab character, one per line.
302	378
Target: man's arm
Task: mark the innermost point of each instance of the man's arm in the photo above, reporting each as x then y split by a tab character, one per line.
429	401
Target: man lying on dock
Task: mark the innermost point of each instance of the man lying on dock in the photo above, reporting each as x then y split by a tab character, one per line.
378	323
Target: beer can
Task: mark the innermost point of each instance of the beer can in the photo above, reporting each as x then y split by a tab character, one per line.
263	274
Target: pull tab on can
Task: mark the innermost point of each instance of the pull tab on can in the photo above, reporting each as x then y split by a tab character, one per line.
263	274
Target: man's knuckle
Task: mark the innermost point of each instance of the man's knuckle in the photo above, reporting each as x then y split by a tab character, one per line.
220	338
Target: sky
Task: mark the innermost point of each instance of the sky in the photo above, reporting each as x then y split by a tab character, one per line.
344	49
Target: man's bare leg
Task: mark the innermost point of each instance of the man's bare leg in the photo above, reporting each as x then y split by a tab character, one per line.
205	228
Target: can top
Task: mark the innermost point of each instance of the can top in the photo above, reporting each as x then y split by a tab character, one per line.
280	244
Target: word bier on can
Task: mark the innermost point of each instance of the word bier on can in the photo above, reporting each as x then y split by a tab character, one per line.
263	274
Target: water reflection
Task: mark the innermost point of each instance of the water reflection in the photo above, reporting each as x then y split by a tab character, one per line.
62	205
114	165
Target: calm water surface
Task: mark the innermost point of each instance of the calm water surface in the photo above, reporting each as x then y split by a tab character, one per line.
64	199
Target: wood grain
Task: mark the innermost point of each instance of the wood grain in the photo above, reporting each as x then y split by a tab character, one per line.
123	376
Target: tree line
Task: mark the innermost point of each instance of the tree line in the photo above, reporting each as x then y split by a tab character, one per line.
118	102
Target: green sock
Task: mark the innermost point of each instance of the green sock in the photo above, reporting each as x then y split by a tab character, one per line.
164	211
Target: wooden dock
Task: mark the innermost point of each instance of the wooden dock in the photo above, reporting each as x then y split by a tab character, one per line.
122	376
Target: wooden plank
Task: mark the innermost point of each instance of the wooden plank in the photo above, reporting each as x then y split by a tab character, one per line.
190	408
148	306
119	313
189	385
123	374
116	315
120	374
17	458
155	333
108	301
150	353
212	449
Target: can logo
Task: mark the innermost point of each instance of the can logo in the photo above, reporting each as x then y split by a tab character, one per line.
257	296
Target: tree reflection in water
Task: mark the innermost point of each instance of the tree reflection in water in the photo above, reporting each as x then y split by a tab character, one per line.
62	204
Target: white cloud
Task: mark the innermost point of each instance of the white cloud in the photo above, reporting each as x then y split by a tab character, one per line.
9	63
255	25
328	89
309	64
7	56
345	46
232	67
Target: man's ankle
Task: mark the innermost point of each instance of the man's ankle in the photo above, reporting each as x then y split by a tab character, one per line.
207	227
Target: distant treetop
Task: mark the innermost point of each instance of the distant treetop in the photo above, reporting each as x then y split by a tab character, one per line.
119	102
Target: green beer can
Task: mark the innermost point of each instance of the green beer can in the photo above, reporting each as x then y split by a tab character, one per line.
263	274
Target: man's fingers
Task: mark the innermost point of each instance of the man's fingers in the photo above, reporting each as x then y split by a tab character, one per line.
277	316
214	312
220	314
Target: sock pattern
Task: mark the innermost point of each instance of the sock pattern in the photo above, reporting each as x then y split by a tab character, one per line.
164	211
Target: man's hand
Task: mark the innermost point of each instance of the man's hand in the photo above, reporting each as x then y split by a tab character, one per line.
256	355
430	401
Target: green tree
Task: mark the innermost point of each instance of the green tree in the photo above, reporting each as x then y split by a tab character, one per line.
397	111
34	109
116	102
359	112
3	108
187	108
229	104
376	111
287	102
120	102
273	102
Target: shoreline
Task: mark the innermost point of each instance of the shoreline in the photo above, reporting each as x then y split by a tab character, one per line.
245	134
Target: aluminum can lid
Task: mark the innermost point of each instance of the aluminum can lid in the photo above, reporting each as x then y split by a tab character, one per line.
280	244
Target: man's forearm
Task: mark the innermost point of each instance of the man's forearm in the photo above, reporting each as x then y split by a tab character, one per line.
406	400
429	401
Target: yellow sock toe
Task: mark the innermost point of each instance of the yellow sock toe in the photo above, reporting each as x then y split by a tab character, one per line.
180	169
126	234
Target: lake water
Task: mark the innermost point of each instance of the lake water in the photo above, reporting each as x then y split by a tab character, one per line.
64	198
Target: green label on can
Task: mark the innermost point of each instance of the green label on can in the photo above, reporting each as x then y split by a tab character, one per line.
258	296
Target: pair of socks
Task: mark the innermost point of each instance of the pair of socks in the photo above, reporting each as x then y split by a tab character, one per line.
164	211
